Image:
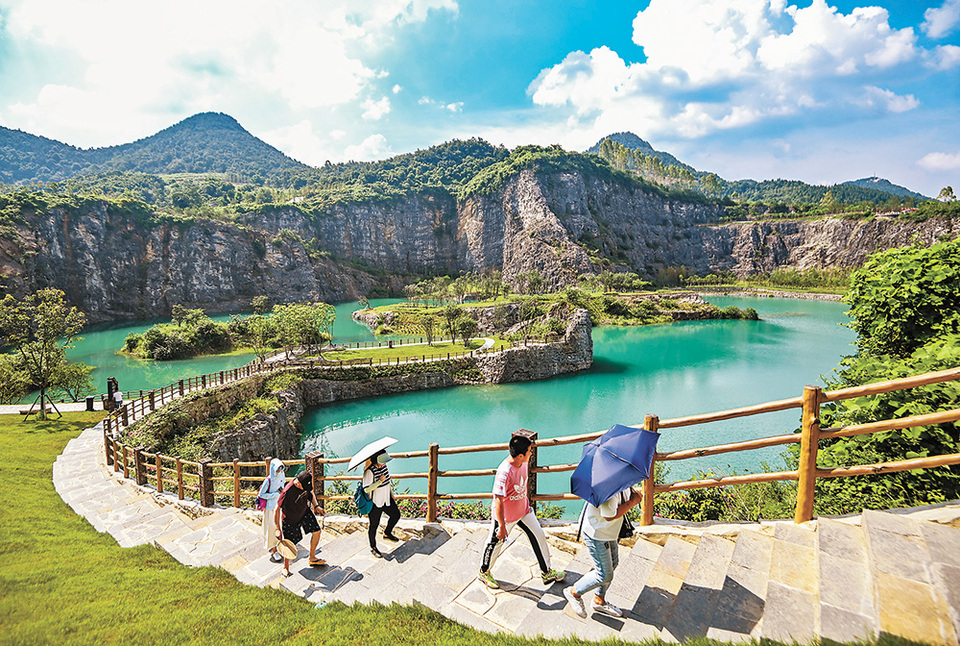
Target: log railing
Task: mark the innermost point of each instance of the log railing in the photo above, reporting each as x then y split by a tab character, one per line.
235	483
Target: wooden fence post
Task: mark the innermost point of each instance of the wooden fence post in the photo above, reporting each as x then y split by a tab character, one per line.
236	482
107	447
206	483
159	474
203	381
807	469
123	411
116	457
313	466
432	483
181	387
651	423
138	467
531	465
126	463
153	403
179	478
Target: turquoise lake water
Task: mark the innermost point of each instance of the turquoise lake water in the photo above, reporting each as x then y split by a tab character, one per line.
666	370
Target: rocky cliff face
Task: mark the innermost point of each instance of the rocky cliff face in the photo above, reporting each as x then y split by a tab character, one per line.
116	266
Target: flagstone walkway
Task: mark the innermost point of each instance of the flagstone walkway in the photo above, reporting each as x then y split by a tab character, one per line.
838	578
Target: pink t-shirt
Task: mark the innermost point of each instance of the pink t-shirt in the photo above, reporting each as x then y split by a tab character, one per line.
511	483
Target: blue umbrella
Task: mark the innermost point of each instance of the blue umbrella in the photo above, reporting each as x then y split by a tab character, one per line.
618	459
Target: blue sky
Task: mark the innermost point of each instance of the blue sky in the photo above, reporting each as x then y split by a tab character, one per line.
822	92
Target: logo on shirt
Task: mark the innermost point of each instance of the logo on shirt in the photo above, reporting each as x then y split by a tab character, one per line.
519	490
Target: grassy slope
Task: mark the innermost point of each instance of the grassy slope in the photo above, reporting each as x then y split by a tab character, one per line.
63	582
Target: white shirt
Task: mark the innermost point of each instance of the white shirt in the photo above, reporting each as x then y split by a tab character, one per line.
595	523
381	494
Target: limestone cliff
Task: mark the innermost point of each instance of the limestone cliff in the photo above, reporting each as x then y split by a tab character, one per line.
116	265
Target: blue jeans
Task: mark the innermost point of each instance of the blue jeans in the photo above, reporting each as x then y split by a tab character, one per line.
605	560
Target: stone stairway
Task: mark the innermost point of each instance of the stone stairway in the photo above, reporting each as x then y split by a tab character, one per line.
839	578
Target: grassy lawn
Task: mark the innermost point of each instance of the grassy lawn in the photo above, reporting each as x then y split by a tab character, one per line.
63	582
407	351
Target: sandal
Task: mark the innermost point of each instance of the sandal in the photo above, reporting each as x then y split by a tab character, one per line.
317	562
284	573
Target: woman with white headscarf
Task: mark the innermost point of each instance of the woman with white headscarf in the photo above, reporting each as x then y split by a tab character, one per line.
270	491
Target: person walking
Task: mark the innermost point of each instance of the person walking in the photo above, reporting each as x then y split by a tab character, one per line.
376	482
510	508
601	529
294	516
270	492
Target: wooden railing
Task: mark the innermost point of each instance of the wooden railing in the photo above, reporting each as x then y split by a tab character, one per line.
230	481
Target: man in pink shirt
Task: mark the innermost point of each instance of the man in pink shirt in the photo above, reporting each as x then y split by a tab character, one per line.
511	507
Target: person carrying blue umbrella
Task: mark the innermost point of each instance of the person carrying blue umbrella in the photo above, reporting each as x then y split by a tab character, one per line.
608	469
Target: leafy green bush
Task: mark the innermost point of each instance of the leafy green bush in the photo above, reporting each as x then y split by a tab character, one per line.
902	298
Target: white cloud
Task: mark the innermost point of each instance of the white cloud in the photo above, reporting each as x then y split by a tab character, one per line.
397	89
371	148
890	101
722	64
375	110
940	21
162	61
945	57
455	107
940	161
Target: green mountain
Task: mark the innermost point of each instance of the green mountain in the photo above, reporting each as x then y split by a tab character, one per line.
635	143
886	186
205	143
628	152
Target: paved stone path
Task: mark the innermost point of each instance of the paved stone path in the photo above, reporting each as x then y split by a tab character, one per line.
842	579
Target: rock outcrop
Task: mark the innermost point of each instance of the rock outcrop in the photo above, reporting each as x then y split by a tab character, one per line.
119	265
574	352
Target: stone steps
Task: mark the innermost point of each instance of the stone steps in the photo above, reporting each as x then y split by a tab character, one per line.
839	579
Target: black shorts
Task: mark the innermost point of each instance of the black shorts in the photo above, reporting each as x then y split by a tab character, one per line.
295	531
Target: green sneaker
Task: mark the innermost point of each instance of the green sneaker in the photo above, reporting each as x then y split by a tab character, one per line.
487	579
553	575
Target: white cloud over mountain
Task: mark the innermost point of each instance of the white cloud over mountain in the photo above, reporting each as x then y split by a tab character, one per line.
721	64
113	58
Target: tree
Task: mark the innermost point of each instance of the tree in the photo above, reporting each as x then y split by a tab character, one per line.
304	324
260	304
73	381
13	381
902	298
947	194
906	312
41	327
429	323
451	313
467	327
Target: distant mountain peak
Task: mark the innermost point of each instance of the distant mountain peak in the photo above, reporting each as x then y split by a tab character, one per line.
886	186
632	141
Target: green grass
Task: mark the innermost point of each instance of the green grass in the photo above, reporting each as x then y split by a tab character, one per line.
407	351
63	582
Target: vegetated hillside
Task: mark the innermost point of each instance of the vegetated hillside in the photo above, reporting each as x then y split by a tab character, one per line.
204	143
626	151
887	186
635	143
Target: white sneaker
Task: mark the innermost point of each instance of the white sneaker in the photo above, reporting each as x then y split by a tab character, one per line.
575	603
607	608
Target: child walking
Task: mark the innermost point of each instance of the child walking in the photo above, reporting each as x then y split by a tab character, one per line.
511	508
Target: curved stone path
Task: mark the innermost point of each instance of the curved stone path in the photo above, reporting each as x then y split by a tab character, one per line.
840	578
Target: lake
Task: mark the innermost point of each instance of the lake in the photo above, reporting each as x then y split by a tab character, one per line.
667	370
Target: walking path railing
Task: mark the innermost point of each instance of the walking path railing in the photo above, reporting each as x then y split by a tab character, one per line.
236	483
